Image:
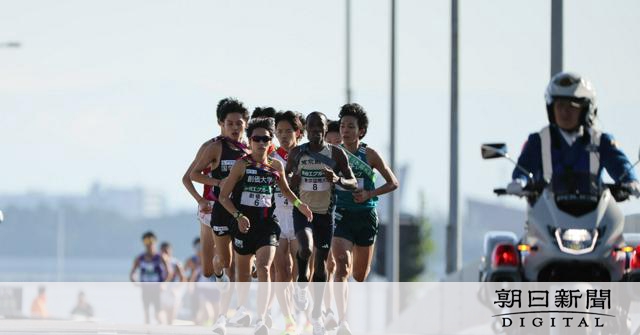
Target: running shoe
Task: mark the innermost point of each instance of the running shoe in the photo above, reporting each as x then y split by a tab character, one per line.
261	328
330	322
343	329
241	318
220	327
318	327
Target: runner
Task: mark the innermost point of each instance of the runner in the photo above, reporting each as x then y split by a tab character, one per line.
172	294
220	155
333	133
289	131
356	217
252	181
207	199
152	267
315	167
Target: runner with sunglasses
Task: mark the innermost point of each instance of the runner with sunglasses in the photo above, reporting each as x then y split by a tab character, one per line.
356	217
314	168
248	195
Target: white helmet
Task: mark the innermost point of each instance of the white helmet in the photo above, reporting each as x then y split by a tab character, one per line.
572	86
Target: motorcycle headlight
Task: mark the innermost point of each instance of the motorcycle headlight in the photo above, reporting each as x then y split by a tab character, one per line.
576	241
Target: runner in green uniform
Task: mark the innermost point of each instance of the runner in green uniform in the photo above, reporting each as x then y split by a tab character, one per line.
356	217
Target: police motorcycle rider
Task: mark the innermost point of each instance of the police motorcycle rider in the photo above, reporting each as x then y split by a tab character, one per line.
570	146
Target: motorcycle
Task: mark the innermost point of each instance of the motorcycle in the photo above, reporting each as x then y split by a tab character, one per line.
573	232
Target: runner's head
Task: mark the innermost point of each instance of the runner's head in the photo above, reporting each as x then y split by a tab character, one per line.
149	240
165	248
289	128
316	127
232	118
353	122
260	133
261	112
333	133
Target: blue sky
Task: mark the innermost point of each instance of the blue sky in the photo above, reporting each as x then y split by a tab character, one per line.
124	92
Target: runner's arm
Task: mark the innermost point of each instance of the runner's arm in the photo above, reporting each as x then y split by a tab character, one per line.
136	264
347	181
165	263
210	155
378	163
237	171
287	193
292	177
186	180
180	272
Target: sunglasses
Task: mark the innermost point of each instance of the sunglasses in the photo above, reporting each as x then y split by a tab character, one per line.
264	139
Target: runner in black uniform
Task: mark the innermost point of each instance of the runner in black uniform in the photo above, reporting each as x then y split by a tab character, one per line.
251	186
315	167
220	155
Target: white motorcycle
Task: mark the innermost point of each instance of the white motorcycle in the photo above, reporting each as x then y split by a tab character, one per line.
573	232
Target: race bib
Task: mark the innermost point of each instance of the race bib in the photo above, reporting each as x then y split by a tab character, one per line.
282	201
252	199
315	184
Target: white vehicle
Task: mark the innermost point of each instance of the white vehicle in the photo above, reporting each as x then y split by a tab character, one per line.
572	233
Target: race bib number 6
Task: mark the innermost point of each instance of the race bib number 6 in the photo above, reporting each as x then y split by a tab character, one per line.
255	199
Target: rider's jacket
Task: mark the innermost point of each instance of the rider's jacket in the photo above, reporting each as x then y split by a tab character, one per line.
550	152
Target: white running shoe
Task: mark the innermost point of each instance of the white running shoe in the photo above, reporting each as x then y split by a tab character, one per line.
343	329
318	327
241	318
301	298
220	327
330	322
261	328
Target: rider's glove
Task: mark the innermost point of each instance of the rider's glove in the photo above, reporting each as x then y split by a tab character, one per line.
634	188
516	187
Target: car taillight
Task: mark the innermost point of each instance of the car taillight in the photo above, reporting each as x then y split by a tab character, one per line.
635	259
506	255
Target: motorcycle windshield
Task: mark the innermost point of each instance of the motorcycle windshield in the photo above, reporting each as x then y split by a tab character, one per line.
576	193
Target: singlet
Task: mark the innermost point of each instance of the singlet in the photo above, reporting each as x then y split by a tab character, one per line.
228	157
254	194
366	180
151	270
315	190
282	203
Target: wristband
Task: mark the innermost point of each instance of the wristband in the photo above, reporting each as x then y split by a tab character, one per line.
237	215
297	203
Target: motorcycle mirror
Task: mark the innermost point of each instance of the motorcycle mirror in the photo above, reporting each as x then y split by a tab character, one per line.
494	150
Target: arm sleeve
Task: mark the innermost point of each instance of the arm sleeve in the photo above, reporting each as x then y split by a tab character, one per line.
615	161
530	159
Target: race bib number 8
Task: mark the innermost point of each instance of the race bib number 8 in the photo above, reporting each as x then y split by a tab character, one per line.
255	199
315	184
